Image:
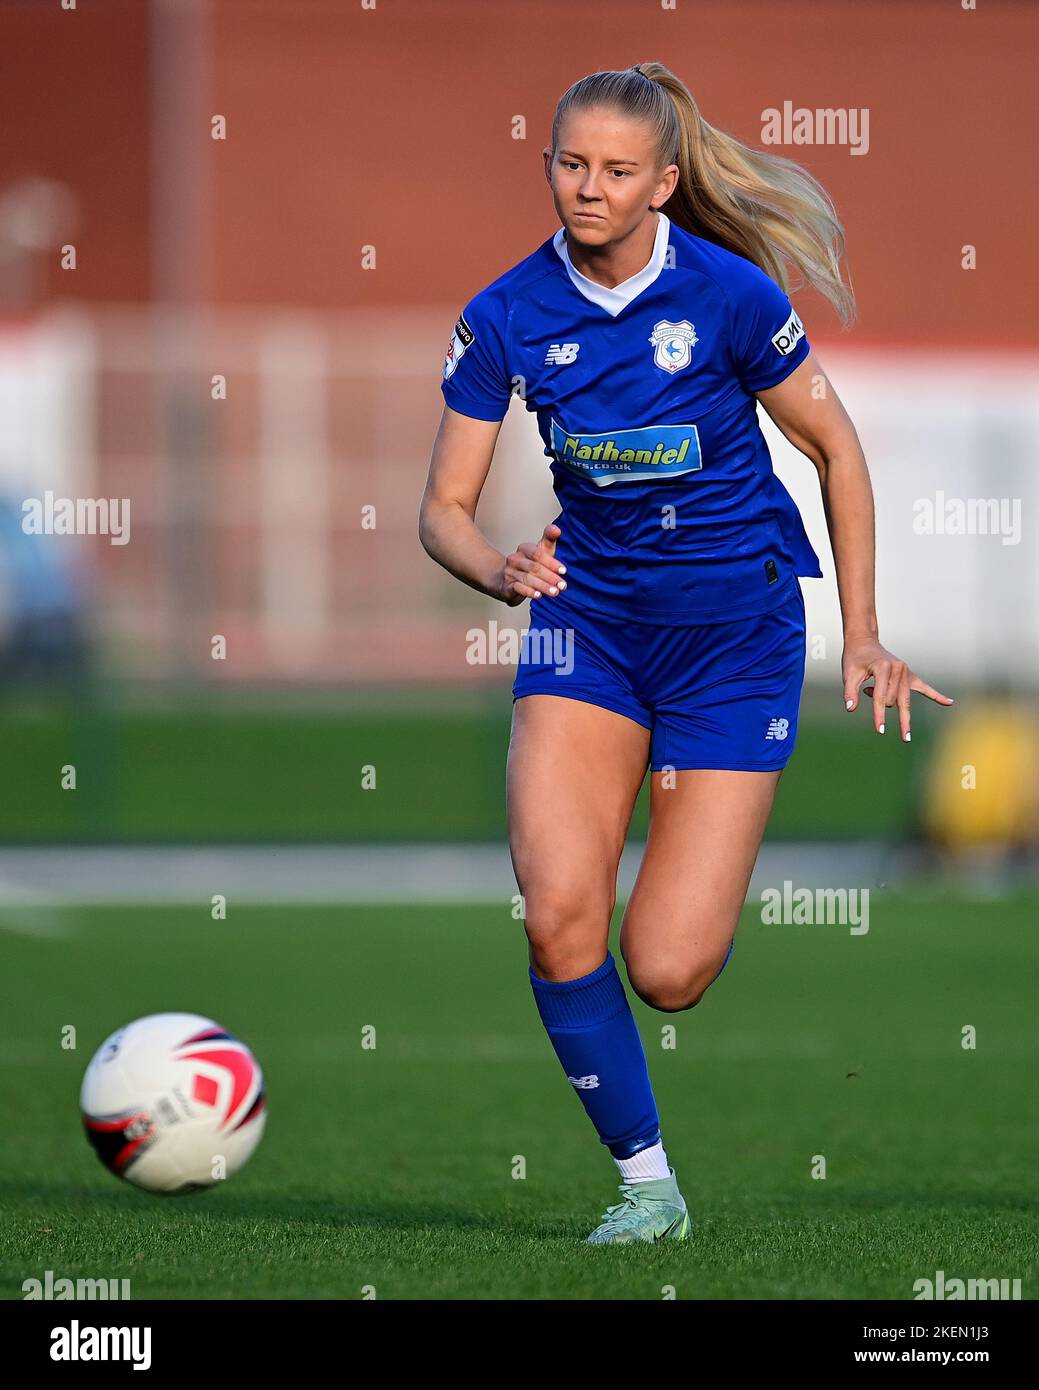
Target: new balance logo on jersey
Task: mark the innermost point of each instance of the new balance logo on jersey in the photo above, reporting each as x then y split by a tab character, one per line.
584	1083
562	354
789	335
777	728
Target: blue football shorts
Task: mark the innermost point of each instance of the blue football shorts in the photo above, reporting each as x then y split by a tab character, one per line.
718	695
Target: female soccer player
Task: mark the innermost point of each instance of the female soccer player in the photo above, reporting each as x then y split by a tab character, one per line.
676	638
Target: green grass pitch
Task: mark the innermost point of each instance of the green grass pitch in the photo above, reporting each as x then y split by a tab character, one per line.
393	1168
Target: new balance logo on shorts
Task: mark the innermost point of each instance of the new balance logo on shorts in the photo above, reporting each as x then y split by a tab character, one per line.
777	728
584	1083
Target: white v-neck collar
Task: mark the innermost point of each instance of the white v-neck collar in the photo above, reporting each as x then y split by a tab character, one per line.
615	299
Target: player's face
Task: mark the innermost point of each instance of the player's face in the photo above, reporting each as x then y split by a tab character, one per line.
604	175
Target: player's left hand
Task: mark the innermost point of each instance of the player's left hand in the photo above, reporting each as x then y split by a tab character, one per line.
892	682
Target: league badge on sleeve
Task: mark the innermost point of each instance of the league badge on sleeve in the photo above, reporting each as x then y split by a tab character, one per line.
460	340
674	344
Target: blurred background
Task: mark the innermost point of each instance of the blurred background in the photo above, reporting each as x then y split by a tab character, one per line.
234	238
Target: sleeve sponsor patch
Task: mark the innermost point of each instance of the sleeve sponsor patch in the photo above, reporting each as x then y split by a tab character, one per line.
461	338
789	335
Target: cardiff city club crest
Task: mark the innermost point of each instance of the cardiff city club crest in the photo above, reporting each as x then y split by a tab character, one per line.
674	344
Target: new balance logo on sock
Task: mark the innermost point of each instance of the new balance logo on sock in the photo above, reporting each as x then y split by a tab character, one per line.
584	1083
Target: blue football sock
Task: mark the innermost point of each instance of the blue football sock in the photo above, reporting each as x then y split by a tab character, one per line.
595	1037
728	953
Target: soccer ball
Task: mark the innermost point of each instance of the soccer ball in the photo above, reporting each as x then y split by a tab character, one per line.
173	1102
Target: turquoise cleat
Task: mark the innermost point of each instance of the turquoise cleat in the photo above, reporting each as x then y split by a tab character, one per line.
650	1211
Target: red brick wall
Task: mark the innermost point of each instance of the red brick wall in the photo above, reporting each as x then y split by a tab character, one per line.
392	127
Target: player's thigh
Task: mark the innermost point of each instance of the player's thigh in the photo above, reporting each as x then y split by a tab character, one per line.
574	772
705	832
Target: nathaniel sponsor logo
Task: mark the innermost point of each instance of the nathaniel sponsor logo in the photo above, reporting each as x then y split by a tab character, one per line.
656	451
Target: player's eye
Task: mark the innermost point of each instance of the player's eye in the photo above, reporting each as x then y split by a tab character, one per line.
623	172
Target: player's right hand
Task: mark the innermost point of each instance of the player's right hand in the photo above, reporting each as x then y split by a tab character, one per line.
532	570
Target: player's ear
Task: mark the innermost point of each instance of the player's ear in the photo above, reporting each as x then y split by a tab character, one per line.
547	153
668	182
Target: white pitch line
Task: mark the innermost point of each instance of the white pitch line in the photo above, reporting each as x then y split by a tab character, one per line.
35	879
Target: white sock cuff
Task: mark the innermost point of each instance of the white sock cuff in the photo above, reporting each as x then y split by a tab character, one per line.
644	1166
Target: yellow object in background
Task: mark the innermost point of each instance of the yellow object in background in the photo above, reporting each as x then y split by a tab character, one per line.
982	786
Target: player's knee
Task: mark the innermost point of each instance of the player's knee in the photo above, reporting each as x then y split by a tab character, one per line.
562	925
670	987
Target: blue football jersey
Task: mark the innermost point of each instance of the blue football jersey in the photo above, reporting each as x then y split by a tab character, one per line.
644	393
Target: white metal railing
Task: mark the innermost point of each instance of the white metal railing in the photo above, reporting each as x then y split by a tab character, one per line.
247	512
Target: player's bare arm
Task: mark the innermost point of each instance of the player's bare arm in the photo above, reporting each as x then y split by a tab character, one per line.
807	410
461	460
